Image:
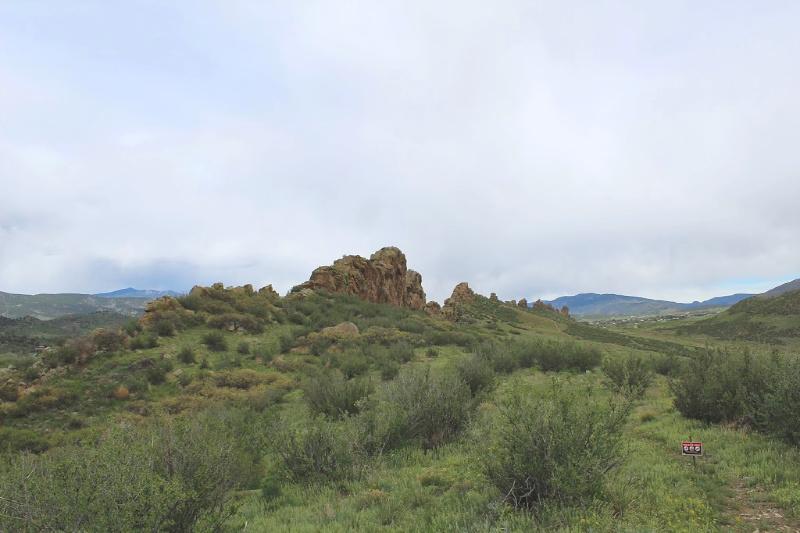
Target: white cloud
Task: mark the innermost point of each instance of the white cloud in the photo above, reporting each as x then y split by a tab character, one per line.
531	149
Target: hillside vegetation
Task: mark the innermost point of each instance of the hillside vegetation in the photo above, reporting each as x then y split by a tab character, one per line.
772	317
235	409
49	306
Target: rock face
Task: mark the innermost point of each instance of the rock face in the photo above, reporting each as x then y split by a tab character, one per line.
462	295
433	308
523	303
493	297
383	278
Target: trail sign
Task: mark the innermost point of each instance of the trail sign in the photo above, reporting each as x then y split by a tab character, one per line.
692	448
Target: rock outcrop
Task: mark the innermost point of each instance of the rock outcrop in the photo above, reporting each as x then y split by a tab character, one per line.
383	278
493	297
461	296
433	308
523	303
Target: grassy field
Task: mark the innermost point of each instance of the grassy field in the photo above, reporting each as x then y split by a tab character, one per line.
746	480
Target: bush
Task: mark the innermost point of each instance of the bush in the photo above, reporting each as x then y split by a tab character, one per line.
163	476
332	395
559	446
186	356
215	341
243	348
627	375
419	405
779	412
351	363
9	391
476	372
164	328
720	386
402	352
109	341
316	449
142	341
157	373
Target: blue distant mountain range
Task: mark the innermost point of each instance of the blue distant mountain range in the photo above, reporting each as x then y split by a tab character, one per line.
130	292
593	304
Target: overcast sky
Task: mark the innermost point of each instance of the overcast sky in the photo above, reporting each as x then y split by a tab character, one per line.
530	148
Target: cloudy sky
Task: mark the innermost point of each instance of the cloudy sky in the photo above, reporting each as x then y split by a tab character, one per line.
530	148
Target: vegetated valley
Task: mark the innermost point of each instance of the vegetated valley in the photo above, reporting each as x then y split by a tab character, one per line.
353	403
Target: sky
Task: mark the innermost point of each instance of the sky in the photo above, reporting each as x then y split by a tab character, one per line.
532	149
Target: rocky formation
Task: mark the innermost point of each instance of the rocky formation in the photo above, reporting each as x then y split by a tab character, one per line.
493	297
461	296
383	278
523	303
433	308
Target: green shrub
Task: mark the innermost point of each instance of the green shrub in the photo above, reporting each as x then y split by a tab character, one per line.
402	352
186	356
476	372
22	440
164	328
243	348
331	394
722	386
351	362
143	341
9	391
419	405
215	341
316	449
559	446
157	373
628	375
432	352
168	475
109	341
779	411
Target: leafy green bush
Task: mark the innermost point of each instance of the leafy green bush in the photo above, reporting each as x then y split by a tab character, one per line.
243	348
331	394
109	341
722	386
22	440
168	475
215	341
143	341
186	356
164	328
316	449
628	375
351	362
779	411
476	372
559	446
157	373
419	405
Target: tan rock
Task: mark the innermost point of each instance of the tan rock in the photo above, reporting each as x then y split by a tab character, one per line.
383	278
493	297
462	295
433	308
523	303
343	330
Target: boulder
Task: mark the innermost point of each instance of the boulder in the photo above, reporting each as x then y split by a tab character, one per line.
523	303
343	330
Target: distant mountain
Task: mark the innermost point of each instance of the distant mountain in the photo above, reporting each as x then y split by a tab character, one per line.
49	306
592	304
130	292
768	317
782	289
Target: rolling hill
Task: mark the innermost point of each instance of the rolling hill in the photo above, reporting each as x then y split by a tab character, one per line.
768	317
49	306
592	304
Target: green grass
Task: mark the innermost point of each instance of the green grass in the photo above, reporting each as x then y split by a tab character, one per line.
410	489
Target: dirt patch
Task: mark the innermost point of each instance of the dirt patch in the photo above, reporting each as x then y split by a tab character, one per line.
751	511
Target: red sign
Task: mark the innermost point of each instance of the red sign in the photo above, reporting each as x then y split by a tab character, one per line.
692	448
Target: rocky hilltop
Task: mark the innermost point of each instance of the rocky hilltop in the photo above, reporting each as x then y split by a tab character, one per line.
383	278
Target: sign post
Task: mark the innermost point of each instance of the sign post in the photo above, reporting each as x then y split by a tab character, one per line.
692	448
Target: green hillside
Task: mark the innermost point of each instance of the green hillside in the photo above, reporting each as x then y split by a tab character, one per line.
773	317
233	409
49	306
